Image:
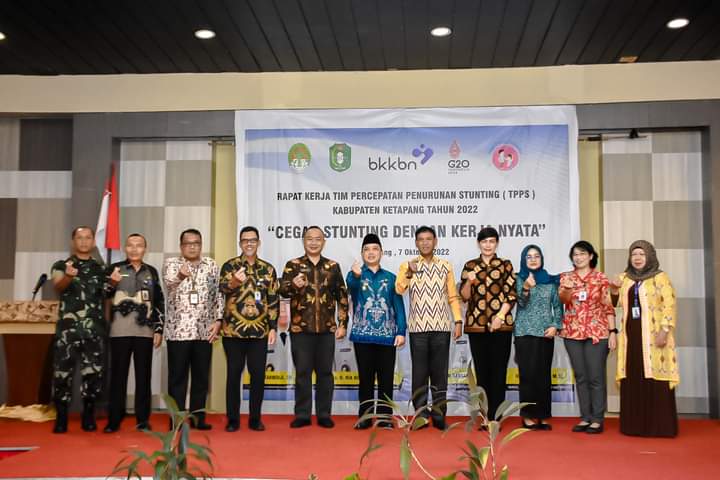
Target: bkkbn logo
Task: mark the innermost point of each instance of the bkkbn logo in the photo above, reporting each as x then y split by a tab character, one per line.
390	164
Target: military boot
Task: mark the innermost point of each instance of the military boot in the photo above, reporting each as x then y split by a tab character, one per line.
61	417
88	416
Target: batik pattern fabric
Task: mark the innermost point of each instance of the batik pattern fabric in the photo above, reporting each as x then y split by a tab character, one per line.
252	308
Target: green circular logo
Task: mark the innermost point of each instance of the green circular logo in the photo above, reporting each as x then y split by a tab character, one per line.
299	157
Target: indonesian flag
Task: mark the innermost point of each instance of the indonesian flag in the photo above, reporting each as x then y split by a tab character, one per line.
107	233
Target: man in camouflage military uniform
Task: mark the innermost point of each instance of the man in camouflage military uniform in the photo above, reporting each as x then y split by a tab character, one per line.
80	331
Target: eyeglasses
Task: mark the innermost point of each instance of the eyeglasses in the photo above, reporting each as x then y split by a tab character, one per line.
191	244
249	241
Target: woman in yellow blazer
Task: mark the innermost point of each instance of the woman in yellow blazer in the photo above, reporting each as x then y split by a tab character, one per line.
647	368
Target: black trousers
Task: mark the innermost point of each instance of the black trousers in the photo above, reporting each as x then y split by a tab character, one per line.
430	352
374	361
189	357
534	358
313	352
237	351
121	350
491	352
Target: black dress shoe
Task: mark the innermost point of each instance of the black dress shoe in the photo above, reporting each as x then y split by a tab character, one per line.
111	428
580	427
256	425
363	425
232	426
385	424
201	426
300	422
594	430
143	426
325	422
543	426
439	423
530	426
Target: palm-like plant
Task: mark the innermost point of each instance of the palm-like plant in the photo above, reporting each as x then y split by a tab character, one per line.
178	456
482	461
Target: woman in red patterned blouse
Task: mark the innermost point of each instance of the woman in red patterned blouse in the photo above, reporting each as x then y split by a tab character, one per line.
589	332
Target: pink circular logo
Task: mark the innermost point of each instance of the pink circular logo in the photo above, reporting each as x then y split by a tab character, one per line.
505	156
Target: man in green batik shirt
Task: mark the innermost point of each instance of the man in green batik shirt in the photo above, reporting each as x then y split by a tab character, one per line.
250	287
81	329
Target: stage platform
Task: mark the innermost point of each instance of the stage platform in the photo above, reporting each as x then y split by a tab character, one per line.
284	453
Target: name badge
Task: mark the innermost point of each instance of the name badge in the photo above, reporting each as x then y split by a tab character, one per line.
194	298
635	313
258	296
582	296
145	295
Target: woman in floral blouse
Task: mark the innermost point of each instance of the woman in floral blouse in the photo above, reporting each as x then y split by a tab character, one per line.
537	320
589	331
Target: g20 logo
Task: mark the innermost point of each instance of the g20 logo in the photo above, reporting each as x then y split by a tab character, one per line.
459	164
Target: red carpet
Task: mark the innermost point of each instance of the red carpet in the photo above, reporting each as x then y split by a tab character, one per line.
280	452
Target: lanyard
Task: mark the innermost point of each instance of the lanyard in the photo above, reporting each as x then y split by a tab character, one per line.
636	296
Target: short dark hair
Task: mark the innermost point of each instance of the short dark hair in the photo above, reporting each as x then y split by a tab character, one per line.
488	232
249	228
137	235
585	246
192	231
313	227
424	229
82	227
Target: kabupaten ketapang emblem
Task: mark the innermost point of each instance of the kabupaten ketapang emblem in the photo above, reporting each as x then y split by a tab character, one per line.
340	157
299	157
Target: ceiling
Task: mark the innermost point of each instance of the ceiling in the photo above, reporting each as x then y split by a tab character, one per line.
50	37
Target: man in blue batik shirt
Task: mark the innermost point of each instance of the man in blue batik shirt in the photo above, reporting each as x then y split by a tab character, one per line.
378	327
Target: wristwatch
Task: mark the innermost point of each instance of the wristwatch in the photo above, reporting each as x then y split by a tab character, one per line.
613	330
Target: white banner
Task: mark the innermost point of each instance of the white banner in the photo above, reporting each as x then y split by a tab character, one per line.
389	171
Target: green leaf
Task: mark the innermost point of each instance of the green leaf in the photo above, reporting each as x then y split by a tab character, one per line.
419	422
372	446
512	409
405	457
452	476
353	476
474	452
493	430
513	435
451	427
505	473
501	409
484	454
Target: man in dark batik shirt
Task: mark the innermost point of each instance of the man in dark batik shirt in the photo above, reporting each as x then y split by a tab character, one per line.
251	311
315	286
136	310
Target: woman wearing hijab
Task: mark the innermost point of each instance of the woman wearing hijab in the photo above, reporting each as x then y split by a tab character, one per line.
537	320
647	368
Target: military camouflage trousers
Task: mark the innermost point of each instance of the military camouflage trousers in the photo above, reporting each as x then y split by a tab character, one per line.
70	345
